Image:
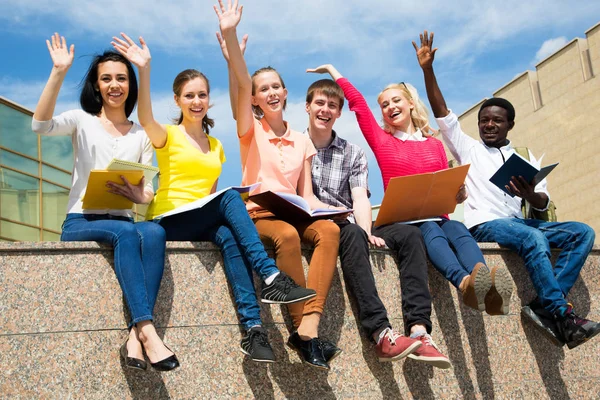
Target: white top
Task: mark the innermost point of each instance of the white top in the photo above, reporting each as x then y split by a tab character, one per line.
416	137
94	148
486	202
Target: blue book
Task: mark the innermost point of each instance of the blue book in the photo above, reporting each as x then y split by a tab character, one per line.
519	166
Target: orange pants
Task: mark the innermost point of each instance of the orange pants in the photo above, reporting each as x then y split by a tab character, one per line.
285	237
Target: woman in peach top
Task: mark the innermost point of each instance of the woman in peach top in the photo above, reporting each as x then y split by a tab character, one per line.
280	158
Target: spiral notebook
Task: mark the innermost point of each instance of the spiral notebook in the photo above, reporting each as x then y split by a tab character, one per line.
121	165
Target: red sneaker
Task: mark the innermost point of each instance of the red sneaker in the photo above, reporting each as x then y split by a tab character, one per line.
430	353
393	346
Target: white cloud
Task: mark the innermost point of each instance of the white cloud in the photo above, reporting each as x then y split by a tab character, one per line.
549	47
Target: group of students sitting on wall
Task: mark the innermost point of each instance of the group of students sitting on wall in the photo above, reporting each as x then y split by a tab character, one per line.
325	170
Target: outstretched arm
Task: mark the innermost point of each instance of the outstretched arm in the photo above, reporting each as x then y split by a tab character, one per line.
229	18
425	55
357	103
140	57
62	59
233	85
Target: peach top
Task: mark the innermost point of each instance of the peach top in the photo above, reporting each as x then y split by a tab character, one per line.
275	161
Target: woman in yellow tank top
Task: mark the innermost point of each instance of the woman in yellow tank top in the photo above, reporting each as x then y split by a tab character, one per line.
190	164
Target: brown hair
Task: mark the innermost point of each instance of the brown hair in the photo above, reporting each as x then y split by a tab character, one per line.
258	112
181	79
328	88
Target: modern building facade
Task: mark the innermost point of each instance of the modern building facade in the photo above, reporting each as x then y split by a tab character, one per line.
35	177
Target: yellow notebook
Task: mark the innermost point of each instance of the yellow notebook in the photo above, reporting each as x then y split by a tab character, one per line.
122	165
97	196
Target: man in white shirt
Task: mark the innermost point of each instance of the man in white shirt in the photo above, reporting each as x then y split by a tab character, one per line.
493	216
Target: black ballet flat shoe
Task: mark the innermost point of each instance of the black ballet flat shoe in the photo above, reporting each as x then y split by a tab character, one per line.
167	364
131	362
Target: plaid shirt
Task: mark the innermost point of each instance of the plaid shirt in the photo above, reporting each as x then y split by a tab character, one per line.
336	170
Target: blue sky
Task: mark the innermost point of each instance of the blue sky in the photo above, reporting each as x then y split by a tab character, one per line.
482	46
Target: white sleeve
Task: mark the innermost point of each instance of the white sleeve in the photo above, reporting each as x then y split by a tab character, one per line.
541	187
146	159
64	124
458	142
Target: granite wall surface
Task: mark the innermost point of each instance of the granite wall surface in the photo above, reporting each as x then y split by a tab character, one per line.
62	321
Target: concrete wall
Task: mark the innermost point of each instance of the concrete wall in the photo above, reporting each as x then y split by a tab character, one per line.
557	113
62	321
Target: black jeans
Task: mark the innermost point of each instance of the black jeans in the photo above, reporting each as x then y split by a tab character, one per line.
354	257
407	243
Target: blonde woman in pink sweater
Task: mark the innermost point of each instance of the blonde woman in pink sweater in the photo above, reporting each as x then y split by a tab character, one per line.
405	146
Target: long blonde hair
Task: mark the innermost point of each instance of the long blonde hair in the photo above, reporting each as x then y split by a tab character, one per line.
419	114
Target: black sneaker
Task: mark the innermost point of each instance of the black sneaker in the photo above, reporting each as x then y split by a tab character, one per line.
543	321
574	330
284	290
330	350
256	345
310	351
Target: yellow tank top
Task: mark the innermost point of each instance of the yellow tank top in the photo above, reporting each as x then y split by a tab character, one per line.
186	174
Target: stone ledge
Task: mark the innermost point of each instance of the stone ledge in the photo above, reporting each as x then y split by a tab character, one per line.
62	321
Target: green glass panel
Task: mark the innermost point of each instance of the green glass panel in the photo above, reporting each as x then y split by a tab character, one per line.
50	236
18	162
18	232
54	202
55	175
58	151
16	133
19	197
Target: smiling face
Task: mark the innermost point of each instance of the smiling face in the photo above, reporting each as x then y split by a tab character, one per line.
268	92
193	99
395	109
113	83
323	111
494	126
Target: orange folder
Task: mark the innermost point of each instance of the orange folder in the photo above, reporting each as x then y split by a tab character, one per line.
97	196
415	197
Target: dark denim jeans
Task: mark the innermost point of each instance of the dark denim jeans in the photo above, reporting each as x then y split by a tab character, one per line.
451	249
225	222
139	250
358	275
407	244
532	240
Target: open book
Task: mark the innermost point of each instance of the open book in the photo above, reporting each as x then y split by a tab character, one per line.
244	191
417	197
292	207
519	166
97	196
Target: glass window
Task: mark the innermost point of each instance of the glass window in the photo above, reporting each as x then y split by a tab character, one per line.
19	197
55	175
18	162
16	133
54	199
18	232
50	236
58	151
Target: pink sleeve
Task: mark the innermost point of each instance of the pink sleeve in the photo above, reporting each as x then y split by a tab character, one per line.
366	121
310	149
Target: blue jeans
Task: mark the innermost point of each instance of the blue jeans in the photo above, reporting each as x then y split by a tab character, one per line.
226	222
532	240
139	250
451	249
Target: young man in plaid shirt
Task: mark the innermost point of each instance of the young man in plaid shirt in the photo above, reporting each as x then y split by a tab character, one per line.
339	173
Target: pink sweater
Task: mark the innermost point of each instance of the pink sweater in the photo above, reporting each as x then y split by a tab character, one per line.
395	157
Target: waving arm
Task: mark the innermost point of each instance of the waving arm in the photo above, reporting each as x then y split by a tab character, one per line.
62	59
140	57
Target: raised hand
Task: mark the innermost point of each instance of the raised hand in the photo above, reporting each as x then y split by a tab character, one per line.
61	56
321	69
138	56
230	16
425	54
224	45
